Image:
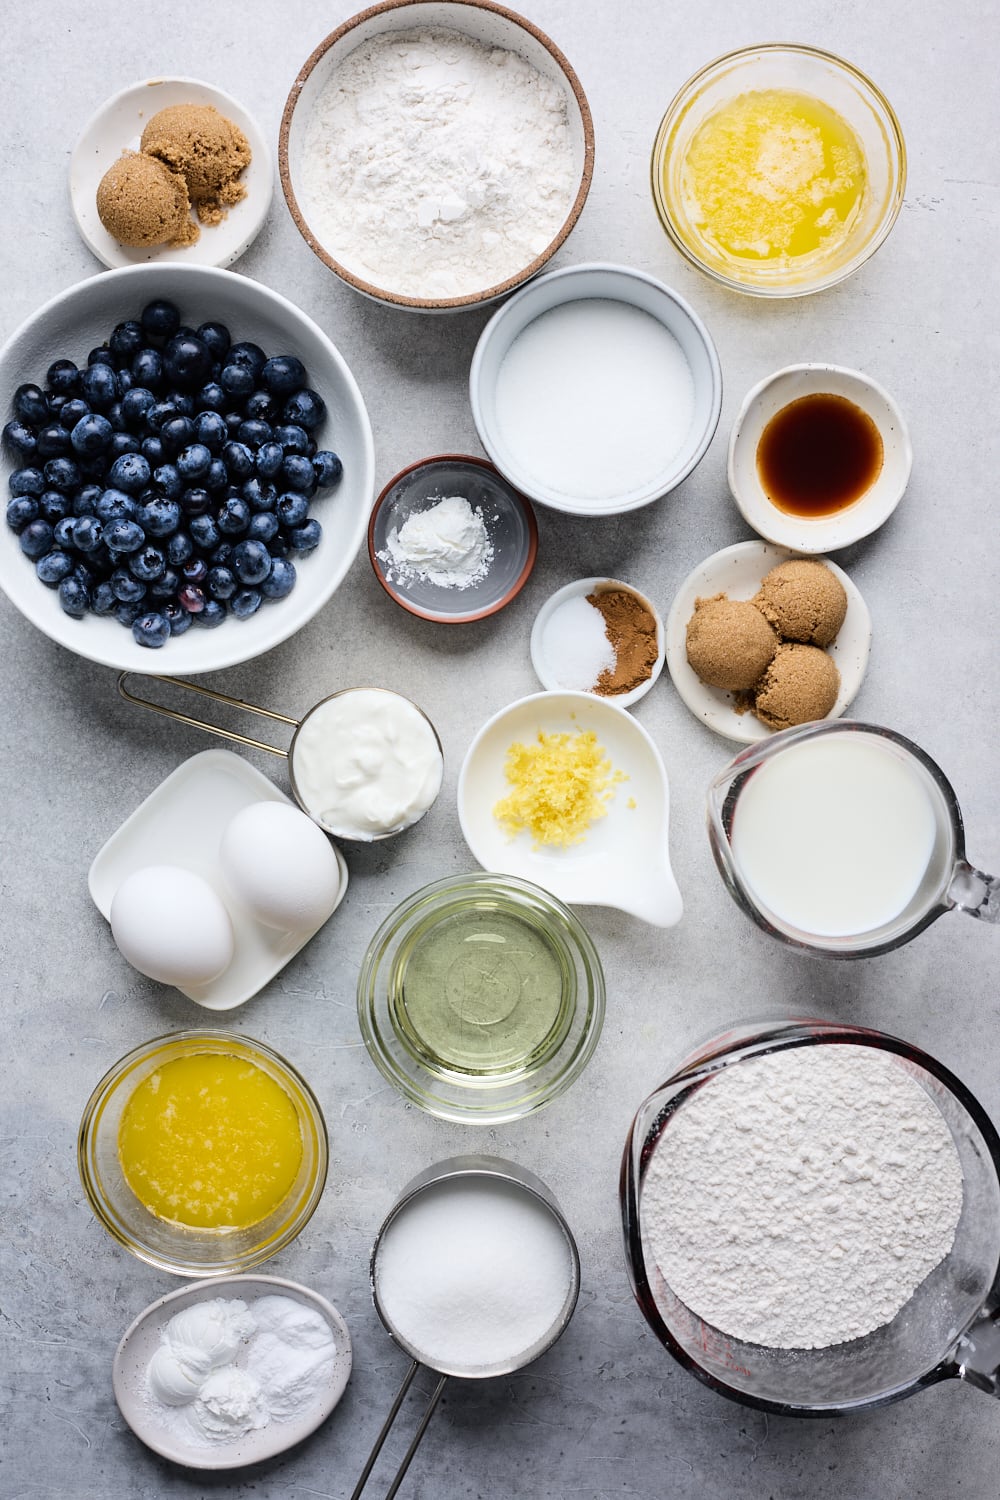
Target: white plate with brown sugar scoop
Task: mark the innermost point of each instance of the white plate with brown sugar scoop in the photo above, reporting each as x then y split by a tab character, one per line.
118	125
738	572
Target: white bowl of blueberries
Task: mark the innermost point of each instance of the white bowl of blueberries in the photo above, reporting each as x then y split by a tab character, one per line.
189	466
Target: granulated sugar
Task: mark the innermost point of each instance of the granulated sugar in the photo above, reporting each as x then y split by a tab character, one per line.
798	1200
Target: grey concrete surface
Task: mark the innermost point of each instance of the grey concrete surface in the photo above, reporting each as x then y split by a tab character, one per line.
606	1413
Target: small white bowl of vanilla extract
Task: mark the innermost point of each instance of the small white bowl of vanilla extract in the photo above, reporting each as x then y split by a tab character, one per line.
819	457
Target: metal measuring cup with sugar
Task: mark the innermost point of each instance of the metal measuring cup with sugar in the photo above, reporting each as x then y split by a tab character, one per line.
304	728
484	1171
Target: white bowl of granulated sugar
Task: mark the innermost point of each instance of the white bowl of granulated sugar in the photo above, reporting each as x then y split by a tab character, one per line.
436	154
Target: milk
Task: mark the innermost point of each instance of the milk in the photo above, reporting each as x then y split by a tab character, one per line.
834	836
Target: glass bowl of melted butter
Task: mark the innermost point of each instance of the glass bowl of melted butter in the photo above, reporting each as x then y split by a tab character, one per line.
778	170
203	1152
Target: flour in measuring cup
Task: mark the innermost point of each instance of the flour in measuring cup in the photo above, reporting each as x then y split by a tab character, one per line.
798	1200
436	166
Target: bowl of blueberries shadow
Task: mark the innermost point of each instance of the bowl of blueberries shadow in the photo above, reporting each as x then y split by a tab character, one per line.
189	469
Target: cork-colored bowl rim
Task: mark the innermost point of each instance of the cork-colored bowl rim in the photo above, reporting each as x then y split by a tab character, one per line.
488	294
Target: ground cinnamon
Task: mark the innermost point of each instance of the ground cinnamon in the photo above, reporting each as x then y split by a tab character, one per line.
631	629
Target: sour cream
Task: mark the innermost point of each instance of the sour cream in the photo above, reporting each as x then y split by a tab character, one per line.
366	763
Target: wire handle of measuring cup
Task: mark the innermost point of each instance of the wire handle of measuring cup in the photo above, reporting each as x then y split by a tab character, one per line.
194	687
386	1426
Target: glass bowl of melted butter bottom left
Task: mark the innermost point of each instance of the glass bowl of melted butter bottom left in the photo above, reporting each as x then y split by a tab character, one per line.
203	1152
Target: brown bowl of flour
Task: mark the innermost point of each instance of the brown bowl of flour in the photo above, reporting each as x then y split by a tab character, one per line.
435	154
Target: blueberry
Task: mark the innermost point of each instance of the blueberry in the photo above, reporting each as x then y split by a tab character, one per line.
63	378
130	473
234	421
221	583
177	617
147	369
268	459
73	596
160	319
30	405
254	433
99	386
20	437
91	436
262	407
177	432
36	538
216	478
251	561
147	564
283	374
259	494
192	599
151	629
53	567
195	571
280	581
160	517
124	536
85	575
30	481
250	356
55	404
52	441
263	526
127	588
220	557
298	474
62	532
62	474
135	404
114	416
210	429
167	480
22	510
306	409
211	397
293	439
127	339
327	468
216	338
245	603
238	460
88	533
180	548
114	505
237	381
158	413
102	598
126	380
292	509
152	449
211	614
204	532
305	539
195	500
234	516
71	413
54	505
122	443
84	502
193	461
187	361
100	356
166	586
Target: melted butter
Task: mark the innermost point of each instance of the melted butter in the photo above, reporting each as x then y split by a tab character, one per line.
774	175
210	1141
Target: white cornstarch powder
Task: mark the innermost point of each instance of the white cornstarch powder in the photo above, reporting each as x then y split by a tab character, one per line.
798	1200
447	544
436	166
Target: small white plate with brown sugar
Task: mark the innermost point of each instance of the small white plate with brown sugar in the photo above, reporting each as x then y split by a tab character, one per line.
118	126
737	572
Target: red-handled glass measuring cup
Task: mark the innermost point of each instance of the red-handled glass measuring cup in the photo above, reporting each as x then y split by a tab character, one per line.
843	839
950	1327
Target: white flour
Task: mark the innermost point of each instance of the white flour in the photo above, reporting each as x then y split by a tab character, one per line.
798	1200
436	166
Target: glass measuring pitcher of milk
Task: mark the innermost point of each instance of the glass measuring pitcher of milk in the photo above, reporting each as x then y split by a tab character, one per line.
843	839
949	1328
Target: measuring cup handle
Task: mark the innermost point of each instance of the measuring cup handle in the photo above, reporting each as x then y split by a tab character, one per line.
387	1424
193	723
977	1358
976	893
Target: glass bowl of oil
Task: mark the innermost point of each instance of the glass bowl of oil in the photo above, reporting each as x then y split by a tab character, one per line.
203	1152
481	998
778	170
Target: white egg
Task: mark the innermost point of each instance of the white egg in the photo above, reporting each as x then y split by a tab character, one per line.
280	865
171	925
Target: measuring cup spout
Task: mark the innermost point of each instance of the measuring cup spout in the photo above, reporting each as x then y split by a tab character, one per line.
976	893
977	1357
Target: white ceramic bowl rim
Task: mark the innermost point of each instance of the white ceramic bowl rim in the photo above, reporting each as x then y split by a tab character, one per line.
668	479
580	588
